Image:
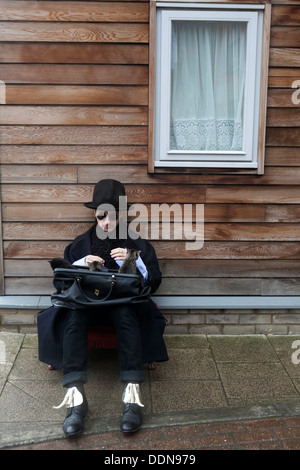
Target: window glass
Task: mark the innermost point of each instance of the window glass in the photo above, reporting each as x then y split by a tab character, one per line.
208	65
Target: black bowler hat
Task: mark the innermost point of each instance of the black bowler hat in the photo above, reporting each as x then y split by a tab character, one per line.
106	191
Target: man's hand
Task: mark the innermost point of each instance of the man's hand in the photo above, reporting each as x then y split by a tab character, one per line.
91	258
118	254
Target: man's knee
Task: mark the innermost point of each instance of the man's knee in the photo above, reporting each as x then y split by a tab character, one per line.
125	316
77	318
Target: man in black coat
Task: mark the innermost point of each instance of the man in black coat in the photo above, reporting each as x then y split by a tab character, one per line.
63	332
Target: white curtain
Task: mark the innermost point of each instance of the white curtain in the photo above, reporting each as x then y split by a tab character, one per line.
207	85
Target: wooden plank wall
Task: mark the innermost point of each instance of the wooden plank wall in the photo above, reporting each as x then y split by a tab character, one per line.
76	111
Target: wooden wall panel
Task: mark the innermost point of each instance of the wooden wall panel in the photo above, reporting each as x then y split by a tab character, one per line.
213	232
79	32
74	154
77	95
73	135
286	15
187	268
79	53
13	212
169	250
76	75
104	12
61	74
80	116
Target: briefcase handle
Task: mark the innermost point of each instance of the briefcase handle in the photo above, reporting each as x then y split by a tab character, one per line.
113	282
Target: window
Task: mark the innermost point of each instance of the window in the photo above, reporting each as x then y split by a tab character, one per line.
208	91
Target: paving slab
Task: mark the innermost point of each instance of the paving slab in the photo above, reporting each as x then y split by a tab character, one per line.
252	348
10	345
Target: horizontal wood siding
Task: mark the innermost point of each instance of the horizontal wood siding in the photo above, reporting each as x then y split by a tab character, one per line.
76	111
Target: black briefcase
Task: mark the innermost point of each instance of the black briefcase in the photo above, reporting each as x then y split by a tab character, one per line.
81	288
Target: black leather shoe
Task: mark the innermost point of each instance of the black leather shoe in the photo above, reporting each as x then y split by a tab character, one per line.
73	423
132	418
77	407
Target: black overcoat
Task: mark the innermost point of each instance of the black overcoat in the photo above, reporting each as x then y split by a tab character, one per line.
50	322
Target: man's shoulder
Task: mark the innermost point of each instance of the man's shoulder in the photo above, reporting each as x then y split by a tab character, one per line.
79	247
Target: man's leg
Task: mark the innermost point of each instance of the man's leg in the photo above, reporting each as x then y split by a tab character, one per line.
74	370
126	324
75	347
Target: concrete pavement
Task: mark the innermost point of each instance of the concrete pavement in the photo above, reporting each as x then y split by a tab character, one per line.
233	384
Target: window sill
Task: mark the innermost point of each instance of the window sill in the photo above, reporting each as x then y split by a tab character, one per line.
163	169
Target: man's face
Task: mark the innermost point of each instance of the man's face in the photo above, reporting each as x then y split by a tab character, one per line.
107	220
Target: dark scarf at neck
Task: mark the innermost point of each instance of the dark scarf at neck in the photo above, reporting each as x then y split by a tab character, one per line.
103	248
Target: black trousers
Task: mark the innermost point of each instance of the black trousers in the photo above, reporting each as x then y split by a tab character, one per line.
126	324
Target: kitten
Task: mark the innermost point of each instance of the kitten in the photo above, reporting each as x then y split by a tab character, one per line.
95	265
62	263
129	264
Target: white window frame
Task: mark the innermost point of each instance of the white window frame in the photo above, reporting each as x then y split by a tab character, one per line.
251	156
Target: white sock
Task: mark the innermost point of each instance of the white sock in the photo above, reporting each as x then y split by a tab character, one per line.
132	394
72	398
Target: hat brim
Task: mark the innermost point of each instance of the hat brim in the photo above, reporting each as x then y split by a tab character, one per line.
92	205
